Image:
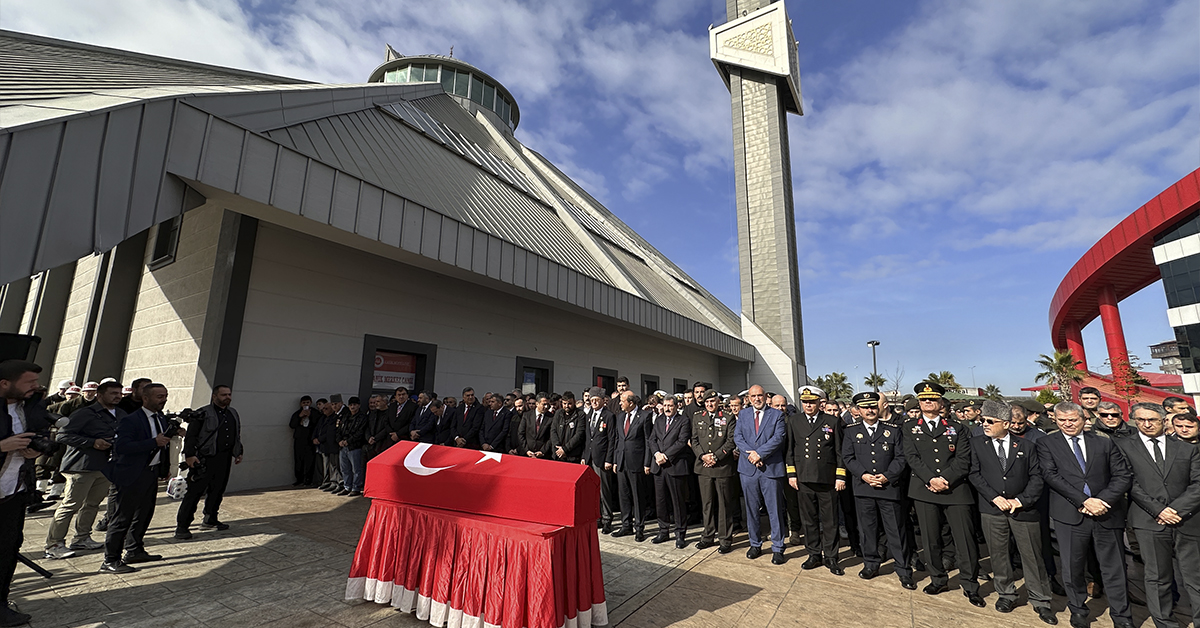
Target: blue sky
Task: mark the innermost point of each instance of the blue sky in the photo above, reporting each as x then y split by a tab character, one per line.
955	159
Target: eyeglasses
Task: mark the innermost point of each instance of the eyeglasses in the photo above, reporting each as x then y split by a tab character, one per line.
992	421
1111	415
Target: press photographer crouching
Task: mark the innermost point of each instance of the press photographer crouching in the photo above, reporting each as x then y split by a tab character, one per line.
212	445
24	418
139	458
89	436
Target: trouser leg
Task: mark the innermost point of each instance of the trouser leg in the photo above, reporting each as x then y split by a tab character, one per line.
846	504
298	447
754	501
677	491
606	496
91	507
143	515
12	522
868	524
894	515
962	526
196	490
1110	551
1028	538
1187	553
772	490
830	539
1074	543
997	535
73	499
662	502
930	517
708	507
1157	556
625	489
810	517
347	469
127	506
727	505
795	511
218	468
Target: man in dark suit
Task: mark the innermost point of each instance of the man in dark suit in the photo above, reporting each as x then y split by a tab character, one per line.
873	453
630	458
535	429
670	466
599	423
303	424
401	412
568	431
516	420
1087	476
493	434
1008	480
1165	496
140	456
614	403
815	471
423	427
715	468
761	436
465	421
938	451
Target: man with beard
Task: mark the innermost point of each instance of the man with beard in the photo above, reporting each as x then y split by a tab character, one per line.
303	424
568	431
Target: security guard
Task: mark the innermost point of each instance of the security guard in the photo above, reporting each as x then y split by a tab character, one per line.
874	457
938	451
716	469
970	412
815	470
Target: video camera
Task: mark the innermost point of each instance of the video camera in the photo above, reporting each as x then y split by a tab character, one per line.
175	420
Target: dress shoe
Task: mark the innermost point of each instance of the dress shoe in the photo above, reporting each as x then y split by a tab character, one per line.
639	536
794	539
133	558
622	532
216	525
660	538
1123	623
342	493
724	549
87	544
976	600
868	572
117	567
777	558
1079	621
681	544
10	616
295	484
354	493
704	544
1056	587
934	589
1005	606
918	564
327	487
1047	616
183	534
607	529
813	562
753	552
907	583
835	569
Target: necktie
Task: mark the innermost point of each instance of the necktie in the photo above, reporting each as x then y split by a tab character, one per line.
1000	454
1158	455
932	425
538	426
668	428
871	431
628	420
757	415
1082	464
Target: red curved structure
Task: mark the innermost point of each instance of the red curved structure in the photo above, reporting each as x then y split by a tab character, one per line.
1118	265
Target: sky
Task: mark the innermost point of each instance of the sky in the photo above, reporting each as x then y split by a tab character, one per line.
955	159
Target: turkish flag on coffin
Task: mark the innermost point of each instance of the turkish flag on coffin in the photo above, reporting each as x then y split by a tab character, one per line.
485	483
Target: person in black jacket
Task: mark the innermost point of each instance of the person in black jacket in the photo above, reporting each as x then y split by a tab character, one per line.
464	422
401	412
1087	476
326	441
815	471
535	429
1166	497
378	427
630	460
595	452
670	465
516	419
212	445
1008	482
493	433
352	437
304	454
569	431
88	436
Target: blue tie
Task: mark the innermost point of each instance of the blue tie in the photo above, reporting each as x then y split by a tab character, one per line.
1082	465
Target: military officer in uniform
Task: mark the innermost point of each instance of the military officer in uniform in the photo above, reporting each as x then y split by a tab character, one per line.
716	469
874	456
815	471
938	451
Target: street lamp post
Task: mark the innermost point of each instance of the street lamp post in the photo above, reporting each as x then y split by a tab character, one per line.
874	365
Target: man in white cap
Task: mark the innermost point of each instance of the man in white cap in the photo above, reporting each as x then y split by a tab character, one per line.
816	472
61	395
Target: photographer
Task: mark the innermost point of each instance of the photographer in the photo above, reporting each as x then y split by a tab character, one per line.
24	417
88	436
212	445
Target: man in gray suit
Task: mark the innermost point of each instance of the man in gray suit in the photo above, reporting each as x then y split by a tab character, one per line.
1165	496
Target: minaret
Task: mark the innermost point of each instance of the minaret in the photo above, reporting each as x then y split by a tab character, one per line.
755	52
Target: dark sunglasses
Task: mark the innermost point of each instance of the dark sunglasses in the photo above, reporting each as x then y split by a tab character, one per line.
992	421
1109	414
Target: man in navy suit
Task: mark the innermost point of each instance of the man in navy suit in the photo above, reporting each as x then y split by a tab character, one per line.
670	466
630	459
465	421
139	458
760	436
1088	477
493	431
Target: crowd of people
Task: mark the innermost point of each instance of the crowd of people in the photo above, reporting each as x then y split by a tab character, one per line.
1025	480
84	444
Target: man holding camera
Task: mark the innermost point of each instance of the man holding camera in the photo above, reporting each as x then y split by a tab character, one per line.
212	445
23	418
88	436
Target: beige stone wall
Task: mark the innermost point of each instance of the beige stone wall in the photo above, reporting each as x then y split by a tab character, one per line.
164	338
67	356
35	285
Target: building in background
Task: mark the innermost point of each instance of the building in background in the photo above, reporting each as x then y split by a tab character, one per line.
1167	354
202	225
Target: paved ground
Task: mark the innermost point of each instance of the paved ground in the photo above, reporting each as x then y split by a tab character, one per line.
285	560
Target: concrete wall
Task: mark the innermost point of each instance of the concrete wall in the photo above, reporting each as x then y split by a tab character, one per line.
35	285
78	304
168	323
311	302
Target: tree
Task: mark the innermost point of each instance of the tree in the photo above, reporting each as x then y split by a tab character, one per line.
946	380
835	385
874	381
1062	370
896	378
1047	396
992	391
1125	383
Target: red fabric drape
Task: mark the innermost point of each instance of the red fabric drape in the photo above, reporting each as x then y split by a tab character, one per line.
475	571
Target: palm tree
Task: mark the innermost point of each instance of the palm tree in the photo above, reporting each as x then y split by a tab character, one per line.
875	381
1062	370
992	391
946	380
835	385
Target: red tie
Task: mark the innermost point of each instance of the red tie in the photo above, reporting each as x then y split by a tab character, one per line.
538	425
756	415
628	418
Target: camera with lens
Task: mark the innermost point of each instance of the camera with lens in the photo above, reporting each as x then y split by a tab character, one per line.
175	420
43	445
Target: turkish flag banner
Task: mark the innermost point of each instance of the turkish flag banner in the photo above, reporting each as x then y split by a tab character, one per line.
485	483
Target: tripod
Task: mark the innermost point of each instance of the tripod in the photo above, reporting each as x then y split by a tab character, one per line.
34	566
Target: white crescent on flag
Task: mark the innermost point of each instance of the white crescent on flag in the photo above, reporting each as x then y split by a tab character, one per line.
412	461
